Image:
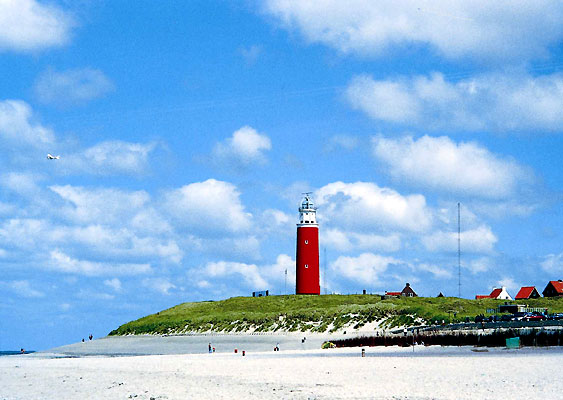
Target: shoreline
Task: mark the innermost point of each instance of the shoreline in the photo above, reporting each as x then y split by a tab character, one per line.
148	345
188	344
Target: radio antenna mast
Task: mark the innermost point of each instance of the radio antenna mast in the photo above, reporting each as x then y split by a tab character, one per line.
459	250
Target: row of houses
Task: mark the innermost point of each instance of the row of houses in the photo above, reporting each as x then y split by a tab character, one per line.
553	289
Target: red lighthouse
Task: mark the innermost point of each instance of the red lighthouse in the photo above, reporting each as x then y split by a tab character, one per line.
307	258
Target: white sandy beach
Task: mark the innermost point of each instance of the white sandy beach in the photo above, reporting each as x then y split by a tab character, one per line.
385	373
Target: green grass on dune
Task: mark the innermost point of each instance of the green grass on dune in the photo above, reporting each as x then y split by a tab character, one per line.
312	313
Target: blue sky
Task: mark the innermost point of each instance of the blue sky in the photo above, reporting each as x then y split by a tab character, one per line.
187	132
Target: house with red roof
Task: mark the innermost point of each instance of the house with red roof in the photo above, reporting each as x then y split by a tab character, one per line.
407	292
553	289
497	293
500	294
527	292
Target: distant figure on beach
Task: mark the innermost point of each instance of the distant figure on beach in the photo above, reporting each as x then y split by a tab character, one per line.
90	337
22	350
82	340
210	347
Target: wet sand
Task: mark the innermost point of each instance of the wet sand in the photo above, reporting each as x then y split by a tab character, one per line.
194	344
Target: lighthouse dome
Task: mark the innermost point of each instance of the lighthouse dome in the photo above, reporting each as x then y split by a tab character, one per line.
307	212
307	203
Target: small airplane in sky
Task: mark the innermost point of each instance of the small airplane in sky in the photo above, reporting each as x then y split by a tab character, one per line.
50	157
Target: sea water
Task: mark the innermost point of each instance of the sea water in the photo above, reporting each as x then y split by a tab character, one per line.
13	353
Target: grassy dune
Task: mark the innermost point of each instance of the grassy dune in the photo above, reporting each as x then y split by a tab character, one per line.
325	313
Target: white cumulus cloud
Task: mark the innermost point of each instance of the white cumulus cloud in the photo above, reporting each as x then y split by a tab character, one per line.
22	288
478	265
109	158
440	163
492	102
211	205
25	233
17	125
276	217
510	285
488	30
277	272
244	148
477	240
160	285
249	273
99	205
22	183
366	205
366	268
62	262
437	271
349	241
553	263
114	283
28	25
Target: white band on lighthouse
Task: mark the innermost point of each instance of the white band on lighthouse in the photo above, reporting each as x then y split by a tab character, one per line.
307	213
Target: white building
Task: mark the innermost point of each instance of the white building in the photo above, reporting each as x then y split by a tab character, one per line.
500	294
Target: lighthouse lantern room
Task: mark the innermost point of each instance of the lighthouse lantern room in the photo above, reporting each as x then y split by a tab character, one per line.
307	257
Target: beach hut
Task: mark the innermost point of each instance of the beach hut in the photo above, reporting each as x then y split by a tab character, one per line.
553	289
527	292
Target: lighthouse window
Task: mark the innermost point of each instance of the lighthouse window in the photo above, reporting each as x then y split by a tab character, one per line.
306	242
306	265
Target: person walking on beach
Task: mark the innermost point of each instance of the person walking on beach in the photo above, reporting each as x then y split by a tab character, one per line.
209	347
